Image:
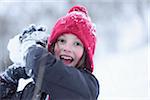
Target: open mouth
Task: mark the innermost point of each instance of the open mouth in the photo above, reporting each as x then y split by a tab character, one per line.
66	59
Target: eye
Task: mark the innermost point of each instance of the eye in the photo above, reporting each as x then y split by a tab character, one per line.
61	40
78	44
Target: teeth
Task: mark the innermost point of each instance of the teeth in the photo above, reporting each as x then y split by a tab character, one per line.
66	57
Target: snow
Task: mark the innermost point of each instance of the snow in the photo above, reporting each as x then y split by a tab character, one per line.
14	48
124	75
122	54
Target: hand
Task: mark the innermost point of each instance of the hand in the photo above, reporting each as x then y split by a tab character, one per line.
14	73
18	46
34	33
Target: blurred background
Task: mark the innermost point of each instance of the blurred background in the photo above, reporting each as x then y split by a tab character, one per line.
123	33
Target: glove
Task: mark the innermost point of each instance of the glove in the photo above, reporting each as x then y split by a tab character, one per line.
18	46
35	34
14	73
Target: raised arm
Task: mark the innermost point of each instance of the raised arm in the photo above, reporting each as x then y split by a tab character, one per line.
59	80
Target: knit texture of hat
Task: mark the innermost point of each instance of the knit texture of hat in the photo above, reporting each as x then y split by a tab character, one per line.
78	23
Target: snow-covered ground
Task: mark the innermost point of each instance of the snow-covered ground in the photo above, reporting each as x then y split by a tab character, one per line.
124	76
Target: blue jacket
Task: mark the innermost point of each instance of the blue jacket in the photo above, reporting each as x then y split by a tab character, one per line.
55	79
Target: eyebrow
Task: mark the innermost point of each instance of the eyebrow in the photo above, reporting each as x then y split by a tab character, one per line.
64	35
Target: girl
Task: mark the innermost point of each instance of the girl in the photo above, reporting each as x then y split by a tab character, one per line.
64	70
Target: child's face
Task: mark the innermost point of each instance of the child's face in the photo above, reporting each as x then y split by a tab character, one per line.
69	49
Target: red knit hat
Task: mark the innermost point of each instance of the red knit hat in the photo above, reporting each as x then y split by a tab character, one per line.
78	23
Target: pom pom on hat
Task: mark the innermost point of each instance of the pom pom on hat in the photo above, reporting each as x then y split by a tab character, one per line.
78	9
78	23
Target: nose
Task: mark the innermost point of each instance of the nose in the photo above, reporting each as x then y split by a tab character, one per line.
67	48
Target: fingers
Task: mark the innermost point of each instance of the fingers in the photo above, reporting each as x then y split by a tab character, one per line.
41	28
31	29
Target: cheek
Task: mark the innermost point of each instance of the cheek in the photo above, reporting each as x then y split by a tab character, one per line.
79	53
57	51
